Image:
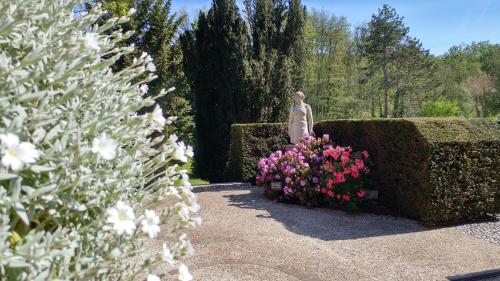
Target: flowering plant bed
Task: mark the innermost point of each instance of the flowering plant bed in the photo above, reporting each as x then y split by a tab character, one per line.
315	173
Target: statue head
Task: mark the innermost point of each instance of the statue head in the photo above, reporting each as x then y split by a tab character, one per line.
298	97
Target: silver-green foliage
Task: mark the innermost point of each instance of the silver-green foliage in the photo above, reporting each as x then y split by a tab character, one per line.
58	93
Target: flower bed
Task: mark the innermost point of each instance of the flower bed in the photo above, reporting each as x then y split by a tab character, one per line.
315	173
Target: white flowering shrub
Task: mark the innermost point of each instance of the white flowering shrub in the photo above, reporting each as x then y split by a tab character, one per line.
79	174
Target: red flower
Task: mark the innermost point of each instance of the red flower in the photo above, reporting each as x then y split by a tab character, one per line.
361	193
346	197
323	190
330	194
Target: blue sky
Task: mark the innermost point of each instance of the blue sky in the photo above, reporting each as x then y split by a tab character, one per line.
439	24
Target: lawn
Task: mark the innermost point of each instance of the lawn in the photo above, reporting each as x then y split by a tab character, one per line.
192	179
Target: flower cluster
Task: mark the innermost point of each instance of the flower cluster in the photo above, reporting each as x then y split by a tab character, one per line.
315	172
81	172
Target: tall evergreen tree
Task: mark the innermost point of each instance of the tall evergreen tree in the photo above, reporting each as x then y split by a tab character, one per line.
385	32
216	64
155	29
278	51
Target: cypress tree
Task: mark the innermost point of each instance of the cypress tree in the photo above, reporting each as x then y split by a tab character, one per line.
278	50
216	64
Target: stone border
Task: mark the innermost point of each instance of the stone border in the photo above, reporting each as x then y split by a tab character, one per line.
221	186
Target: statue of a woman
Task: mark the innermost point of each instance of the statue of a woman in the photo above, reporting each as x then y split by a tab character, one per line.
300	122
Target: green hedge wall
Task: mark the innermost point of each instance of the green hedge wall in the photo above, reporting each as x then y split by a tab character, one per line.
249	143
432	169
437	170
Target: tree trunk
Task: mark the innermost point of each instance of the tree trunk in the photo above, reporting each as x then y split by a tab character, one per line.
396	111
477	107
386	84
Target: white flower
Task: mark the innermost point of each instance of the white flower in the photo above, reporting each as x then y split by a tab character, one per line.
151	67
90	41
104	146
115	253
186	246
122	217
170	120
152	277
156	118
167	255
189	151
150	223
144	88
16	153
180	152
171	89
173	139
184	274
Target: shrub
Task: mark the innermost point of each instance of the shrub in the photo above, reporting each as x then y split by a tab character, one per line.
441	108
315	172
435	170
80	172
249	143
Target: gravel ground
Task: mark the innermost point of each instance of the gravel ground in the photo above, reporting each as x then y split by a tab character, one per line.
487	231
246	237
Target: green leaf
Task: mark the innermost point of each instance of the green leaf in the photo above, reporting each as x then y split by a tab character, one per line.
41	169
7	176
21	212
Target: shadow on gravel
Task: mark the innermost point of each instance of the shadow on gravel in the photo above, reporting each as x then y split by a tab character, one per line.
325	224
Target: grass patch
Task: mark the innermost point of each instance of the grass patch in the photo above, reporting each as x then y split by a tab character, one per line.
192	179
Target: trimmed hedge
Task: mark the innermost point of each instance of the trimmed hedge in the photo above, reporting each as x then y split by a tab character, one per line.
250	143
433	169
437	170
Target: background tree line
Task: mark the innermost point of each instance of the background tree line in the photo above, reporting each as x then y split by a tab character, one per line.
378	70
233	66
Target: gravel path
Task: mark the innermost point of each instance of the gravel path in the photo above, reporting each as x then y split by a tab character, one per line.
487	231
246	237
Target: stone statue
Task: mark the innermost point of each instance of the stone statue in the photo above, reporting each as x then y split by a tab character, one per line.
300	121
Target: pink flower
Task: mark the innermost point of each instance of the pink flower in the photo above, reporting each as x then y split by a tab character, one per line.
339	177
315	180
323	190
354	172
288	180
346	197
359	163
287	190
344	159
330	194
329	183
302	182
365	154
361	193
338	196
